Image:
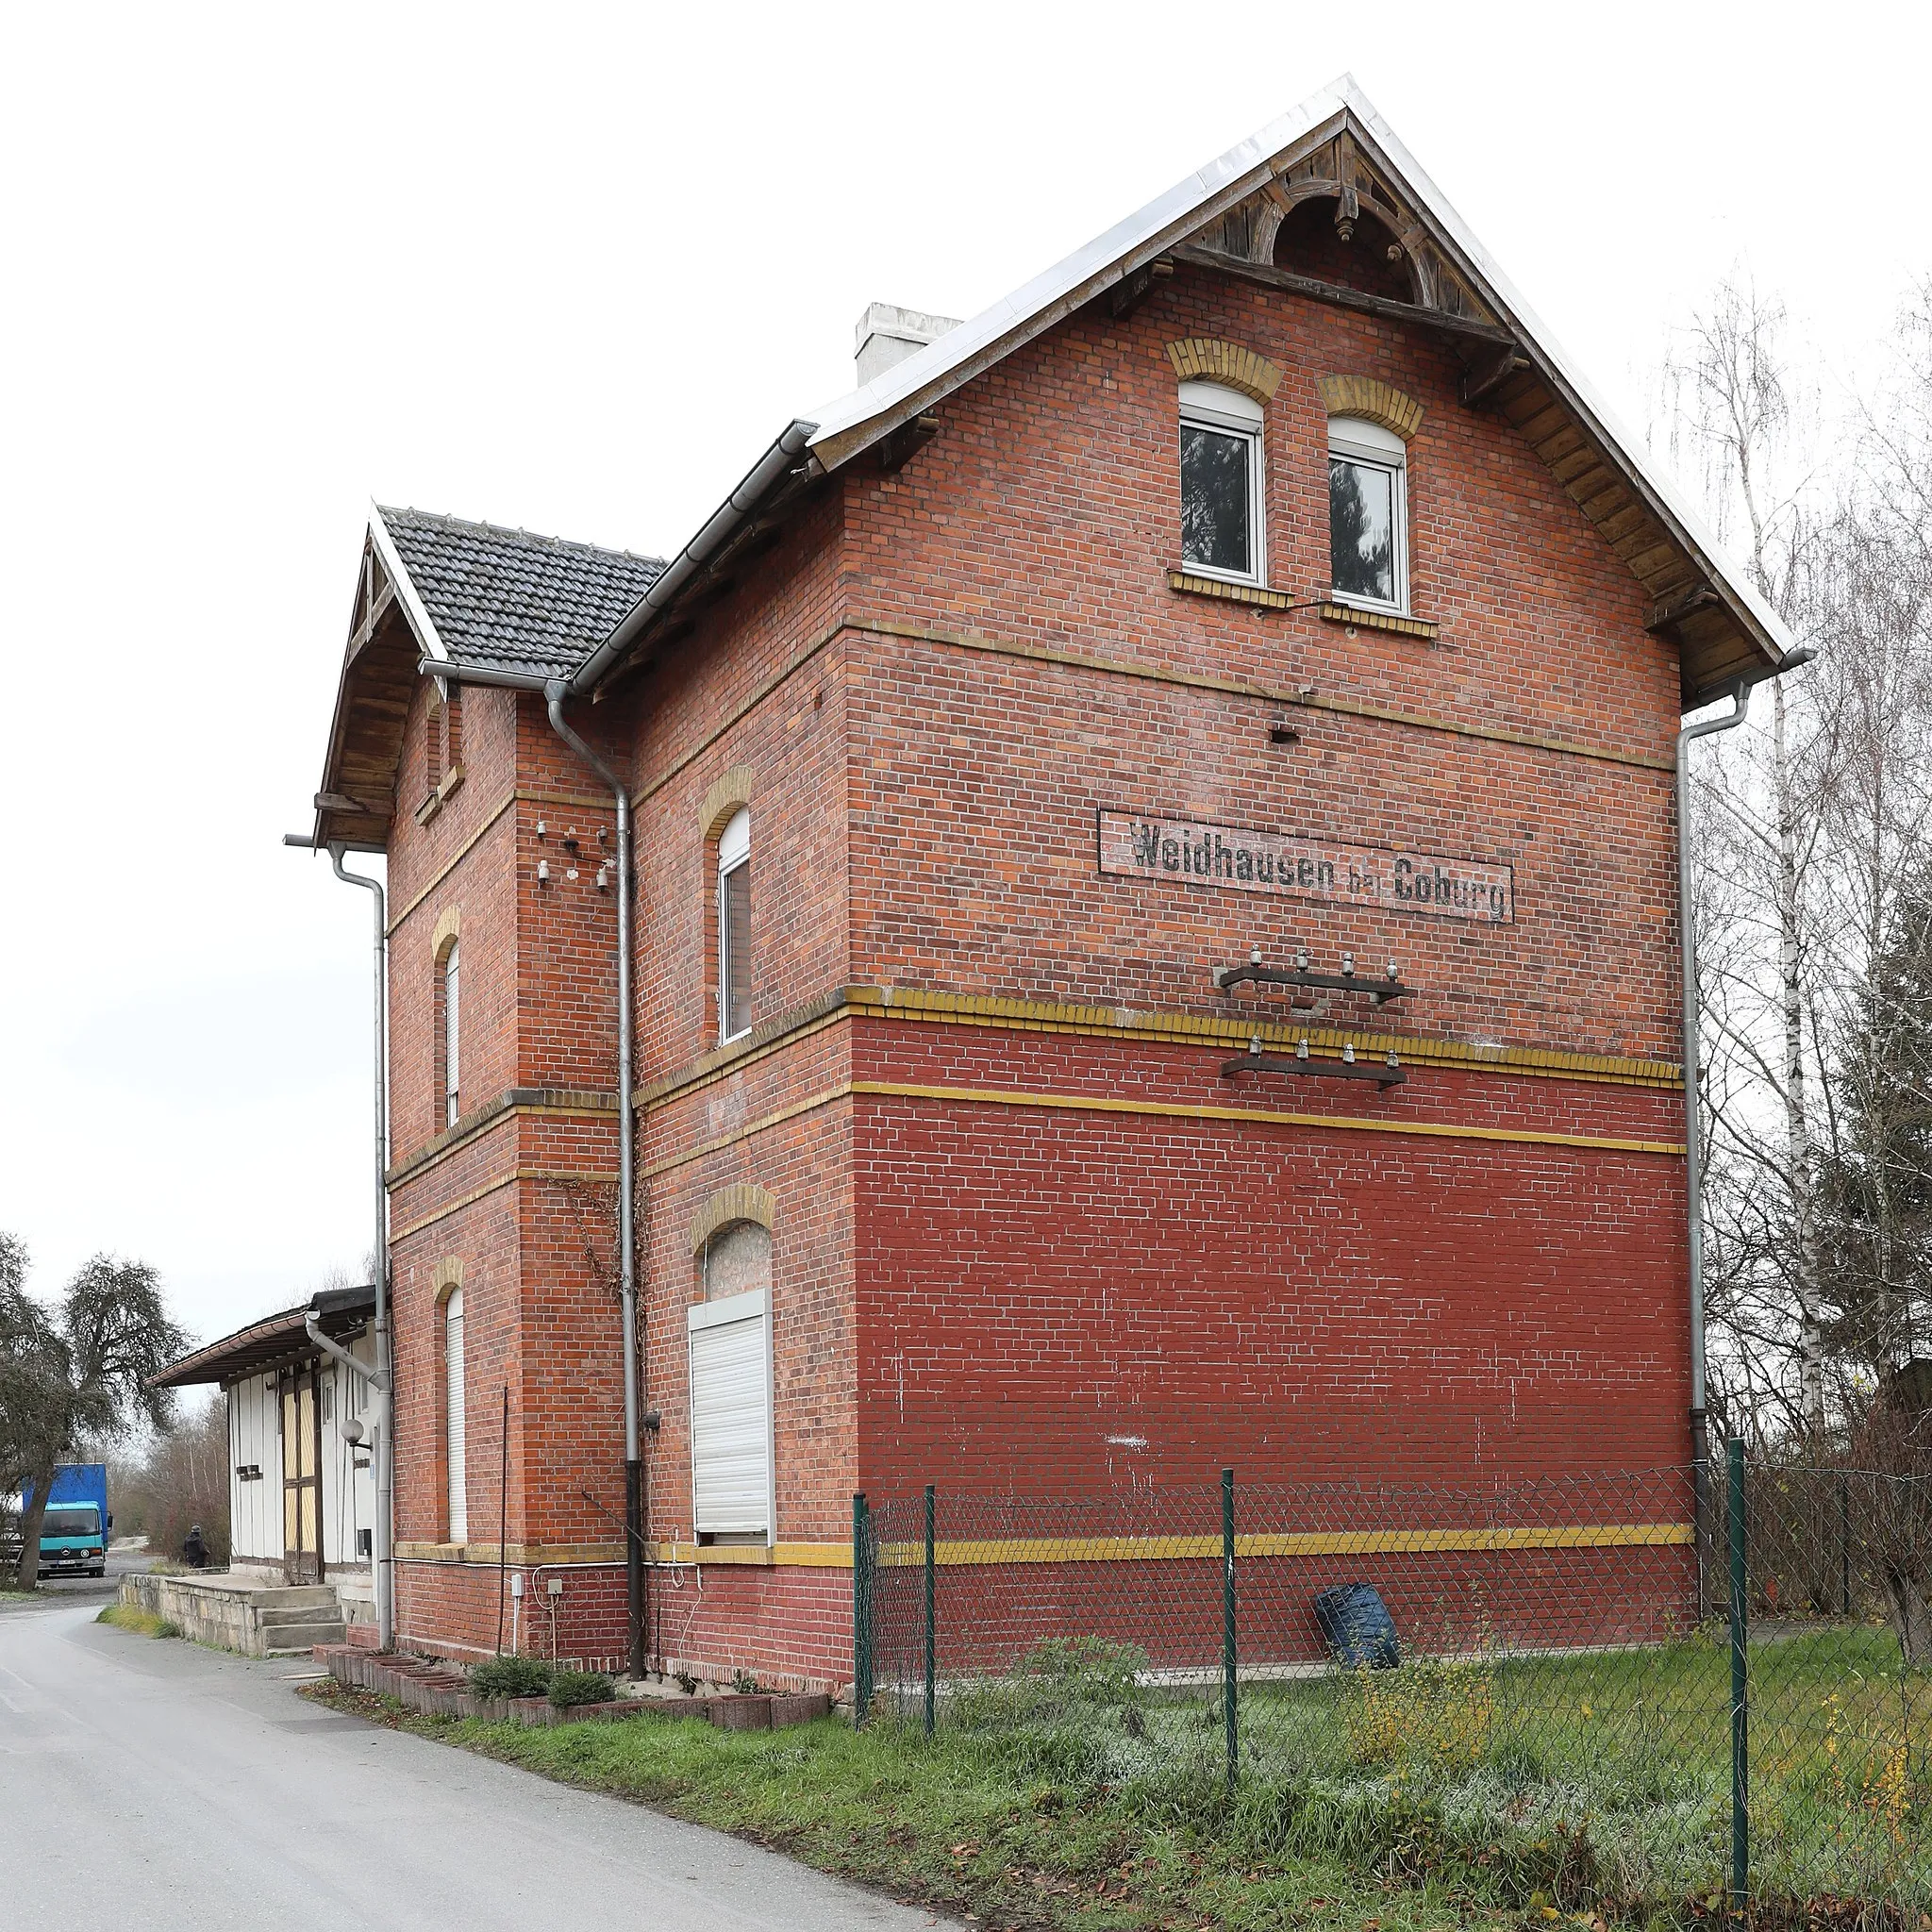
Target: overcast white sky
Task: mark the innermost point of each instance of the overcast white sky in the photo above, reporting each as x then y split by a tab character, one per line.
571	267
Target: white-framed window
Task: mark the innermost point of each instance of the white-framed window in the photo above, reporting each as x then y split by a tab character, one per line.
453	1409
1222	522
452	1033
1368	515
732	1472
734	926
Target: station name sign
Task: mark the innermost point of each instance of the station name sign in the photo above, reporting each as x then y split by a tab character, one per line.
1187	851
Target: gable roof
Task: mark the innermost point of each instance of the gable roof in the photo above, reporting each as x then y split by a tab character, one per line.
507	600
1723	630
506	605
517	609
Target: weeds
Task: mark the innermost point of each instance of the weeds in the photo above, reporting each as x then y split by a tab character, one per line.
143	1623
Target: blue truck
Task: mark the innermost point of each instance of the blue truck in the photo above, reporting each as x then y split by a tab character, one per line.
73	1533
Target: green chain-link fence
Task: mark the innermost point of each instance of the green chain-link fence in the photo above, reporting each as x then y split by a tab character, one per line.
1673	1689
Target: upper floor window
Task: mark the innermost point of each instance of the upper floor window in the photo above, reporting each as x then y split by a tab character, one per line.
1368	514
452	1033
1221	523
734	925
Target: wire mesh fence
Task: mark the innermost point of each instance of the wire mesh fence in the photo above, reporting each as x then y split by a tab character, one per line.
1674	1689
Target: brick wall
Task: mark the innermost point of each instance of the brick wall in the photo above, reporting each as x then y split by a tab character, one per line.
935	678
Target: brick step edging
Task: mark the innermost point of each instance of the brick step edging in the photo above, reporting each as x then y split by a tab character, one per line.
435	1693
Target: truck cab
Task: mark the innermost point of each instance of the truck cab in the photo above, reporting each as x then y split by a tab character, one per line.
74	1532
74	1540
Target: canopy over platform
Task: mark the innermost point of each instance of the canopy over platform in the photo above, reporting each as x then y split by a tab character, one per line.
339	1313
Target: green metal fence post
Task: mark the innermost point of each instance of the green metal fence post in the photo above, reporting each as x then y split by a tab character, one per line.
1230	1703
861	1615
932	1674
1844	1542
1740	1688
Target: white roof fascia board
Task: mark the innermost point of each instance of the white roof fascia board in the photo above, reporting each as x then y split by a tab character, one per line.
413	606
1683	522
1035	304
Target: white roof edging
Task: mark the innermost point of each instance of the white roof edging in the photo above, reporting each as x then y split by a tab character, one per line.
1039	303
413	606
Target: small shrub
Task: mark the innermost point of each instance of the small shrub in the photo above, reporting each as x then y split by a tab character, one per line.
1428	1711
569	1689
745	1682
510	1676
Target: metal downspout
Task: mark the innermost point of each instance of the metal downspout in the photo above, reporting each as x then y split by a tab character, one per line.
1693	1151
383	1380
1693	1138
555	691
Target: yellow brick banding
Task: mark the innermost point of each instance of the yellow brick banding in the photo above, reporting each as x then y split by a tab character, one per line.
1379	620
733	790
739	1202
1201	359
1372	399
1091	1549
1232	594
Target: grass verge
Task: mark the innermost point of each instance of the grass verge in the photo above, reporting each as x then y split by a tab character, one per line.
143	1623
947	1828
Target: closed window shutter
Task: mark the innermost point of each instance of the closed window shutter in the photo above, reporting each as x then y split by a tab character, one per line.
731	1422
453	1371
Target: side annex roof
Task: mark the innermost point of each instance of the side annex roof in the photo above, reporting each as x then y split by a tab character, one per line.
503	602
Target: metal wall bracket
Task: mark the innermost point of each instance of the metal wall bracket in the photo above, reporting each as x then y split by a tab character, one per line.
1347	981
1387	1073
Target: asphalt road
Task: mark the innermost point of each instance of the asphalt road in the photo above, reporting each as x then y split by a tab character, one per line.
187	1788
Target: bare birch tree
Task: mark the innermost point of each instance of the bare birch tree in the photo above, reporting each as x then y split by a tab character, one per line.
1811	838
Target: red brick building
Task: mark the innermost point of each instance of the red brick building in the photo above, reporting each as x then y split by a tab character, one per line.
1259	581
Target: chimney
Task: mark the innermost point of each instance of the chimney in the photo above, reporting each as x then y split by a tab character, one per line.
886	335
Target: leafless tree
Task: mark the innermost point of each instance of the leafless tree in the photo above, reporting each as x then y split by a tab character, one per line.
1813	877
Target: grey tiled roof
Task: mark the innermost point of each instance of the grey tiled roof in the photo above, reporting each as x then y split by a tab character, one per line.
511	600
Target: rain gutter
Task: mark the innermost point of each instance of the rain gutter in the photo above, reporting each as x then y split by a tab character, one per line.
769	469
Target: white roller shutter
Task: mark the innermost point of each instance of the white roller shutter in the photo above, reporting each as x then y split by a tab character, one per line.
453	1404
731	1416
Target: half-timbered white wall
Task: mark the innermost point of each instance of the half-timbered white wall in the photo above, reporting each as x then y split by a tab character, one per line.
348	1474
255	1441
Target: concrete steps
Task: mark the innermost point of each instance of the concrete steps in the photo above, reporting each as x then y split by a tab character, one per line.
296	1619
242	1612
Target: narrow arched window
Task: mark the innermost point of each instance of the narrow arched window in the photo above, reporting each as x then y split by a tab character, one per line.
734	925
1368	514
452	1035
453	1409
